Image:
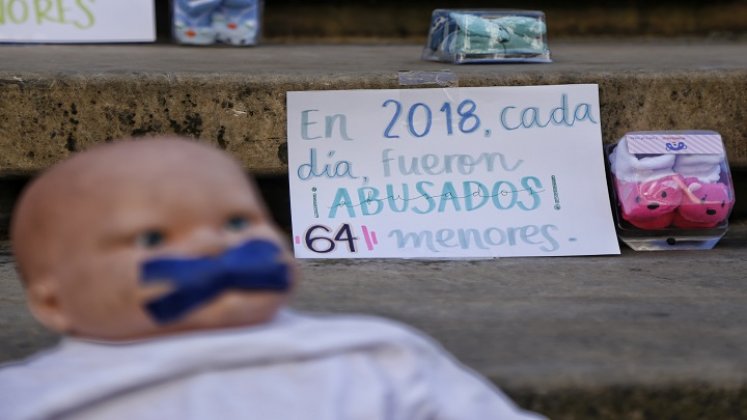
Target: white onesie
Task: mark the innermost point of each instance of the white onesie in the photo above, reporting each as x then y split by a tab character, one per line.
295	367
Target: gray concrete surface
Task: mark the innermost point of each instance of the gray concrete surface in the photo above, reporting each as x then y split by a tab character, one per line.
55	100
641	335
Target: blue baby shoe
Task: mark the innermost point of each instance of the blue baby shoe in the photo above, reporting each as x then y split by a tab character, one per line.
193	21
237	22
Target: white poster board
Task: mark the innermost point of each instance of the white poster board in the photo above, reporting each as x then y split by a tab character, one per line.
68	21
448	173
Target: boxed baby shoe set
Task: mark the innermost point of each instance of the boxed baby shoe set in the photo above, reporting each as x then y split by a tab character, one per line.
671	189
487	36
207	22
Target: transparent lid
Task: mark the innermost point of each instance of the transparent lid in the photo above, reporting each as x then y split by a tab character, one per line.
671	180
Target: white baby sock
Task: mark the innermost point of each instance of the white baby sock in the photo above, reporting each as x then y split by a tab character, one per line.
707	168
627	167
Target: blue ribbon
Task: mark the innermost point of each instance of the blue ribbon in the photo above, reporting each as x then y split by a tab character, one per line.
254	265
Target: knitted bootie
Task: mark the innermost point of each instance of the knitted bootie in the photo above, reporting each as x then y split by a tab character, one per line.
650	205
706	168
236	22
193	21
648	190
629	167
704	205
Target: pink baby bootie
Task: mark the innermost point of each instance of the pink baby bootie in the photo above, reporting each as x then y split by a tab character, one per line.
648	189
652	204
707	201
704	205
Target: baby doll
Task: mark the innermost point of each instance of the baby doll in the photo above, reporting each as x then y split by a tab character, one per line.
161	266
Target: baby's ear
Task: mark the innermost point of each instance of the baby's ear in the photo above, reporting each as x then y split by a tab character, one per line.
43	299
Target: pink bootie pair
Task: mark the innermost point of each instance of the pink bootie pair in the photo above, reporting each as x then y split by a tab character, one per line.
659	191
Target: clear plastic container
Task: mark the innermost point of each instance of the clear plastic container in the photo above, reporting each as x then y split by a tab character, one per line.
671	189
208	22
487	36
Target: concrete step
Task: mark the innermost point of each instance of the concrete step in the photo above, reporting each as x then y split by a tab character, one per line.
55	100
641	335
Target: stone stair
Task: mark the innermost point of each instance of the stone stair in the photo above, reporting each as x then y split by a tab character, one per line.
642	335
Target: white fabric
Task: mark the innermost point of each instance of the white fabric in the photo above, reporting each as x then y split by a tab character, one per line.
707	168
628	167
296	367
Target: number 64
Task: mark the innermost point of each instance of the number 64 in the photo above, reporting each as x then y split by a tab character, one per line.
324	244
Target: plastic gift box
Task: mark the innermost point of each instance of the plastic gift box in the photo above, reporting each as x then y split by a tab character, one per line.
671	189
207	22
487	36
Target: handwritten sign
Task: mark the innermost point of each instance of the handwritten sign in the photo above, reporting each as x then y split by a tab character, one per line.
444	173
62	21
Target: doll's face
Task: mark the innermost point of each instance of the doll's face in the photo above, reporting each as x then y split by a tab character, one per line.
117	210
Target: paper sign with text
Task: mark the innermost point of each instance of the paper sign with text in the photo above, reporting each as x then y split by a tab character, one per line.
68	21
447	173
